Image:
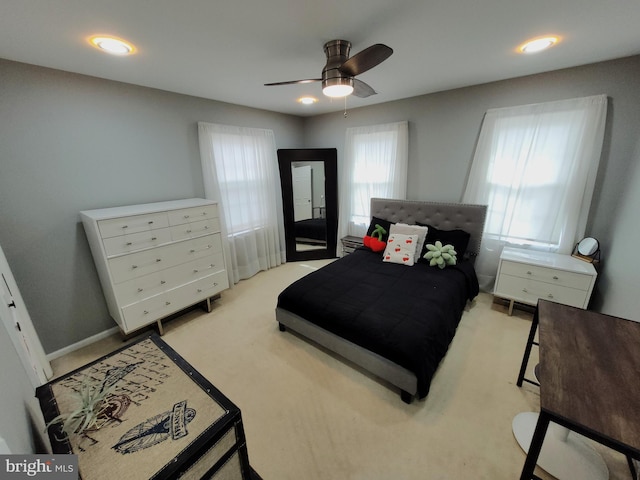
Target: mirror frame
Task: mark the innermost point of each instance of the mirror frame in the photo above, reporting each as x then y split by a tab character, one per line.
329	156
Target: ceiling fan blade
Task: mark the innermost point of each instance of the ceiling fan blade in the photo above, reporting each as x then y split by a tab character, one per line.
366	59
361	89
292	82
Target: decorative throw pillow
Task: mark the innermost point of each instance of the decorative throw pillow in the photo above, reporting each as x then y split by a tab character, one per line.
458	238
400	249
406	229
386	224
440	255
374	241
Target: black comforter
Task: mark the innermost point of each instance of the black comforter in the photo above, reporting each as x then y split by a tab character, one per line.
408	315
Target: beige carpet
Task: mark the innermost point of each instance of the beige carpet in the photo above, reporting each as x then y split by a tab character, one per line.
308	415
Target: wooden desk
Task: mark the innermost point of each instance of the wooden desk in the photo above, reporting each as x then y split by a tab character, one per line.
589	375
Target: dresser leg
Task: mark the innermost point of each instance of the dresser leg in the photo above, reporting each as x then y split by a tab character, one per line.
511	302
160	327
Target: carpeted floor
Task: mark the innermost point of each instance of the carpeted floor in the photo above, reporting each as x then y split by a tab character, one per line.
309	415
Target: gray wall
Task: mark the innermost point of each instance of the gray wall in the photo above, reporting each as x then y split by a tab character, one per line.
443	128
70	142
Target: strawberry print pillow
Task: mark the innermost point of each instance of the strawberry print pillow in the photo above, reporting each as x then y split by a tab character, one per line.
400	249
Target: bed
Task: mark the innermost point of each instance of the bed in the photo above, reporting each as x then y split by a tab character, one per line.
311	230
392	320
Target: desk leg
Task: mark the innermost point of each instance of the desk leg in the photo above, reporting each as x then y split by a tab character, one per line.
527	349
535	447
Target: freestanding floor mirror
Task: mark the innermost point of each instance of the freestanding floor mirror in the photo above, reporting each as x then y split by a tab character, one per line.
309	179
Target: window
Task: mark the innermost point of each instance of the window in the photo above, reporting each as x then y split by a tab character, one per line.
535	168
241	172
375	165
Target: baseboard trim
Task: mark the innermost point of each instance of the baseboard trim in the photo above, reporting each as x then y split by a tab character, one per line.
82	343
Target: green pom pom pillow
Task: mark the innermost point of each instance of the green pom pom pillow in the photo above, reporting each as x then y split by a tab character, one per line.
439	255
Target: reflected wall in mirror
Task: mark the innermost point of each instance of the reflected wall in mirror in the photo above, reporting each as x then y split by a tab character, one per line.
310	203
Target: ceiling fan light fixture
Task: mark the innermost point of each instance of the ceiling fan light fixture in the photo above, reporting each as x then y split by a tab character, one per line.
337	87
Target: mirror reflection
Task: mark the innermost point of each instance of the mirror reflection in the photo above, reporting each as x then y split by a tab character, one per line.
309	179
309	209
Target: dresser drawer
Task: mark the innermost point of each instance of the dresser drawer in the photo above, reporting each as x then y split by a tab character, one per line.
192	214
147	311
195	229
199	290
138	289
133	224
196	269
193	249
136	241
133	265
548	275
528	291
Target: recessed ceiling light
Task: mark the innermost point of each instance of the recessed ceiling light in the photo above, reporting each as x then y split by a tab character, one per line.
112	45
307	100
538	44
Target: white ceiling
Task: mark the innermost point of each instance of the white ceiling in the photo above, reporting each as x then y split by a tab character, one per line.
227	49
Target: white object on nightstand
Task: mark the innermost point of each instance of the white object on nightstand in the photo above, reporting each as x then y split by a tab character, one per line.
156	259
524	276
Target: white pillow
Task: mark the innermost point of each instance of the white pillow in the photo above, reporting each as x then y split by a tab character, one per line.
400	249
407	229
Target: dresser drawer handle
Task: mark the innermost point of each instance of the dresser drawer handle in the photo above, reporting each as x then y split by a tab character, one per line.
206	227
162	282
550	295
134	266
525	290
150	222
188	231
555	277
204	213
129	244
529	272
167	303
139	290
146	312
125	226
186	216
195	271
158	260
153	239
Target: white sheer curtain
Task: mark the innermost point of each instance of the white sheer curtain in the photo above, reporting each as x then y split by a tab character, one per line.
375	165
240	171
535	167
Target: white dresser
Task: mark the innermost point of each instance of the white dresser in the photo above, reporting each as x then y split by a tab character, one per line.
156	259
524	276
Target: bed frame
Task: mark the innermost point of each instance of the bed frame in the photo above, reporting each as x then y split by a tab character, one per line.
446	216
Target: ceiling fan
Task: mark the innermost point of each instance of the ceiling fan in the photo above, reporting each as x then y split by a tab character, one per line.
338	75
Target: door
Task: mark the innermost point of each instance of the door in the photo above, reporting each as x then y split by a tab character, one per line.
17	322
302	205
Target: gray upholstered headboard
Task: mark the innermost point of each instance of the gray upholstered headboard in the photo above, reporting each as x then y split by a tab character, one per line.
446	216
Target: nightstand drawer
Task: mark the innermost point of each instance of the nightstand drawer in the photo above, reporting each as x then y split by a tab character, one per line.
529	291
548	275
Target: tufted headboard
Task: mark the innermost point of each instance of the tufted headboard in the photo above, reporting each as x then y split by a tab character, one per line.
446	216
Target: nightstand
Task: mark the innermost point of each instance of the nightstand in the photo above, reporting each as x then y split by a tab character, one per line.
350	243
524	276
